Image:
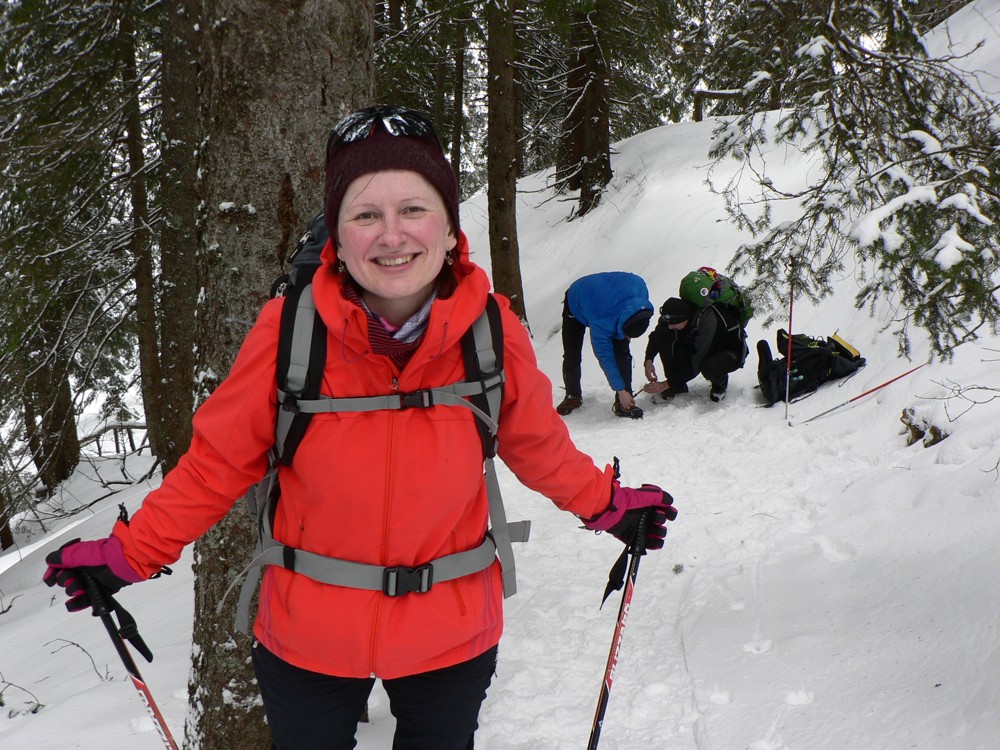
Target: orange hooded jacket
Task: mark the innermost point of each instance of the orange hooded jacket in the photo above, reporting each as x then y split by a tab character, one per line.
385	488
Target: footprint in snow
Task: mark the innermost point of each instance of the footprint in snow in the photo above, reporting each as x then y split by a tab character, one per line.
801	698
759	646
835	550
720	697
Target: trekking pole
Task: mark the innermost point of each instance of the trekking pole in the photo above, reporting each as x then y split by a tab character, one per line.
635	551
788	354
103	605
862	395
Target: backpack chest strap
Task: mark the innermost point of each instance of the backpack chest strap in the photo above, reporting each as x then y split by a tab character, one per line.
450	395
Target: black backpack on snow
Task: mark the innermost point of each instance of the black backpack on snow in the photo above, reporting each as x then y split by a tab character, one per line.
300	367
814	362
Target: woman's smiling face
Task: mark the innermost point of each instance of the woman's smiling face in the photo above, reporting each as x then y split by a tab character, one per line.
393	232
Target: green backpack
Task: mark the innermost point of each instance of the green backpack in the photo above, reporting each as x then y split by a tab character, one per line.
706	286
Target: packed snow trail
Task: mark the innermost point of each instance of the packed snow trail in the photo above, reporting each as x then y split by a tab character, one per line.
745	483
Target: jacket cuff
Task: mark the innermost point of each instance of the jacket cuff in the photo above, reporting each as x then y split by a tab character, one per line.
140	572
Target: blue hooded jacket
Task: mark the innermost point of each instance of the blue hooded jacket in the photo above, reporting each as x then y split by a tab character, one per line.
604	302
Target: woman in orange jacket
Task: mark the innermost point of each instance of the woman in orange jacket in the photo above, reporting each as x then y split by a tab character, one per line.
396	292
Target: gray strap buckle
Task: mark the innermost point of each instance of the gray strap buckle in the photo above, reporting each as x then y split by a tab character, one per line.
415	400
400	580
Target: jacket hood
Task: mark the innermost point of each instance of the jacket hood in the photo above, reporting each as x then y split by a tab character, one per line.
630	307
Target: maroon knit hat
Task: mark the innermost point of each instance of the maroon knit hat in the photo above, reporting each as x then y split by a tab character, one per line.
378	149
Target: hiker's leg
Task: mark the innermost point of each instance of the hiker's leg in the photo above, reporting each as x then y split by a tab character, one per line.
439	710
623	358
572	340
308	709
717	366
677	368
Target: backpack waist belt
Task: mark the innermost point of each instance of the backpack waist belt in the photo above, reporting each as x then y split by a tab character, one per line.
391	581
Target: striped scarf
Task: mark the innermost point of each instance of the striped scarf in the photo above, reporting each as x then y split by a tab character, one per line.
396	343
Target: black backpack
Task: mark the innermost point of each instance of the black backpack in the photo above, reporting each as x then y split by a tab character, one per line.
732	336
300	366
814	361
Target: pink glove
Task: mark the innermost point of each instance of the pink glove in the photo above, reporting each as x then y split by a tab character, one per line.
103	560
627	508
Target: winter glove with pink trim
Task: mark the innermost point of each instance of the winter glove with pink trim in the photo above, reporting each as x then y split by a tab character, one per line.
103	560
627	508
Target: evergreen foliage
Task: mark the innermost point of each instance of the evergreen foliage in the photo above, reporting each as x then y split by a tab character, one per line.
904	192
65	216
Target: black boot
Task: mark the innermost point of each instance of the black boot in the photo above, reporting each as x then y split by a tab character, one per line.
718	391
570	403
634	413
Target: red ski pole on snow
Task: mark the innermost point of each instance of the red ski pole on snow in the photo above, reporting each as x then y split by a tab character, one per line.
103	605
862	395
635	551
788	354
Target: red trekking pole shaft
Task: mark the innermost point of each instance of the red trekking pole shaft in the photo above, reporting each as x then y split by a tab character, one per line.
788	354
102	608
862	395
636	551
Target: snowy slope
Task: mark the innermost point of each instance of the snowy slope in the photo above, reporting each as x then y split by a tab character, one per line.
826	587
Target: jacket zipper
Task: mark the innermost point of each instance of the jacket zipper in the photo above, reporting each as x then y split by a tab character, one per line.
385	530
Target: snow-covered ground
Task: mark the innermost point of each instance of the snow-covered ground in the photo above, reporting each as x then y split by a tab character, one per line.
826	586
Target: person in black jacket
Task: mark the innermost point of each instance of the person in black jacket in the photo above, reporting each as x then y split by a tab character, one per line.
691	340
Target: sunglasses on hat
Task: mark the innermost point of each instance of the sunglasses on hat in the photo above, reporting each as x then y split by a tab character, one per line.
397	121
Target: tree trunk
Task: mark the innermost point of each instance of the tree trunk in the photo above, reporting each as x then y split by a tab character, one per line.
6	533
501	164
140	242
179	233
51	426
595	133
49	416
571	139
458	99
276	77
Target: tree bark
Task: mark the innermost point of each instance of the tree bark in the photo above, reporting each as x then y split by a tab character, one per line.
501	166
458	98
571	139
49	416
6	533
595	133
140	241
179	232
276	77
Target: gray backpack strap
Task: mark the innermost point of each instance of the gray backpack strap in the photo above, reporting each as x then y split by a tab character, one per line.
450	395
297	372
484	357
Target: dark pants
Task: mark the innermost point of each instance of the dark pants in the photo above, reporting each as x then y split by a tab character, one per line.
572	337
675	355
436	710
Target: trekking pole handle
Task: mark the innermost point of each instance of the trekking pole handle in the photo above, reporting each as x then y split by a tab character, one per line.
99	598
638	546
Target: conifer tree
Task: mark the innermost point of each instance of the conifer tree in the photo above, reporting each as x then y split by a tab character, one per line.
904	190
74	214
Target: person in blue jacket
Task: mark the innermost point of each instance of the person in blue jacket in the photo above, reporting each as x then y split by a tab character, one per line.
615	307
